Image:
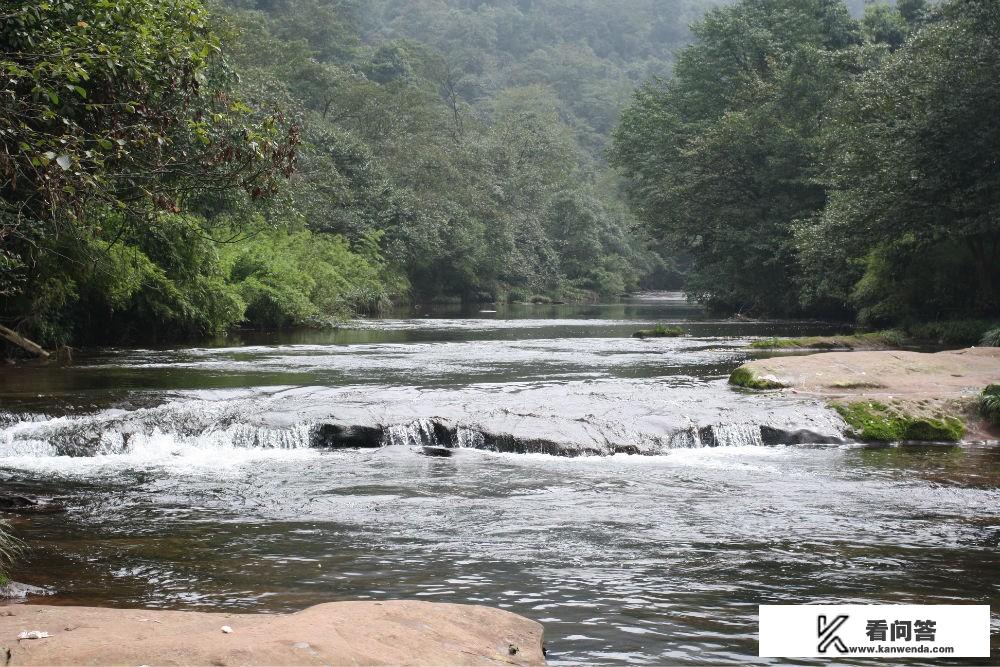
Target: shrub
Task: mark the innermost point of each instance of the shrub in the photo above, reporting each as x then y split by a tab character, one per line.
10	549
518	295
303	279
989	404
952	332
991	338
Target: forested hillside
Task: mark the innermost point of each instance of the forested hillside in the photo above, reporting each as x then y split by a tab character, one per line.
582	58
174	171
804	162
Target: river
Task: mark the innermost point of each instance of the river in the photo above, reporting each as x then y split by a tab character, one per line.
615	489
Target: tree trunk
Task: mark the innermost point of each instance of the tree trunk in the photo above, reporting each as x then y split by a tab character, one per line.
22	342
985	265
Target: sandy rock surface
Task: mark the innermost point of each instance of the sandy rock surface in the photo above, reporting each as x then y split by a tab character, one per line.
337	633
919	382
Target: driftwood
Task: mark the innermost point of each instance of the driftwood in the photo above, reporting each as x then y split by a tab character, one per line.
22	342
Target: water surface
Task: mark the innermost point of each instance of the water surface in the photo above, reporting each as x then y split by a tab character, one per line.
192	483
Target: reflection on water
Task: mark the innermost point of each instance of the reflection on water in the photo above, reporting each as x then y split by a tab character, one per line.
625	559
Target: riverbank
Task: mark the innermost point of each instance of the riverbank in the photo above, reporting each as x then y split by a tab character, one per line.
935	388
393	632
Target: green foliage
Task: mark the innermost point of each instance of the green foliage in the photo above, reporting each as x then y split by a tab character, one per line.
725	156
882	24
167	278
875	421
582	57
481	185
121	105
991	338
746	377
989	404
912	175
11	549
951	332
800	161
302	279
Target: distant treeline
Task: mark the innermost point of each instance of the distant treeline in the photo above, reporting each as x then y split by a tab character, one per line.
800	161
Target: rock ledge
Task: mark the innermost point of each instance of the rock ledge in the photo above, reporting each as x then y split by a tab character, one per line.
337	633
920	384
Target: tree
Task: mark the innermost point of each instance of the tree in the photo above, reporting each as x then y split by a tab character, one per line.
124	106
723	158
916	184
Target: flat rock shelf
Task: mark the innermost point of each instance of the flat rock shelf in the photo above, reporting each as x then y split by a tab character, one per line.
913	382
338	633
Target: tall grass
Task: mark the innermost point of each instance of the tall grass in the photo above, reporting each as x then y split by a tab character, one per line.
989	403
10	549
991	338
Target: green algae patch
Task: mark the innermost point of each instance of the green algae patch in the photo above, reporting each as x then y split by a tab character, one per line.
659	331
878	340
858	384
745	377
875	421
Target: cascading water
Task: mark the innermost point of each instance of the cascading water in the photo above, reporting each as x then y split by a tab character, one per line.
104	436
152	434
269	477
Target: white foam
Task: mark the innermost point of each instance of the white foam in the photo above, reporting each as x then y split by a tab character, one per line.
217	449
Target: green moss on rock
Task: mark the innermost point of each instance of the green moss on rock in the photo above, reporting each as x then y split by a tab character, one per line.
873	340
947	429
659	331
871	420
746	377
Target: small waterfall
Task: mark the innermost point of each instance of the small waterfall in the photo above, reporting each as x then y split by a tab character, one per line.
420	433
105	435
737	435
191	432
469	438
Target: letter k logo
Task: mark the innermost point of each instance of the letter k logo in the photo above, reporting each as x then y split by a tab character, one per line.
828	633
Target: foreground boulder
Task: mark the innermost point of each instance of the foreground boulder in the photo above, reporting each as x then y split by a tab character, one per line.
337	633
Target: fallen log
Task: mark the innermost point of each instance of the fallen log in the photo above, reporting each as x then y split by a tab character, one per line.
22	342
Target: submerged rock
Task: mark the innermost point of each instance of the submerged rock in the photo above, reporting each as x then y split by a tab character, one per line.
25	505
13	590
659	331
16	502
440	452
336	436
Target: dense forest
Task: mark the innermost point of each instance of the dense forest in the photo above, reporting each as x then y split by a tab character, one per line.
175	169
804	162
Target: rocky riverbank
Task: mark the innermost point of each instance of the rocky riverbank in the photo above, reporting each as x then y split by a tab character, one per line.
338	633
892	394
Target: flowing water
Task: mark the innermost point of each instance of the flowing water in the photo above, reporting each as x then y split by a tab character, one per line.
615	489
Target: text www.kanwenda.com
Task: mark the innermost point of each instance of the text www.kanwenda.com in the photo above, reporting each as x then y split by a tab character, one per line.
900	649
